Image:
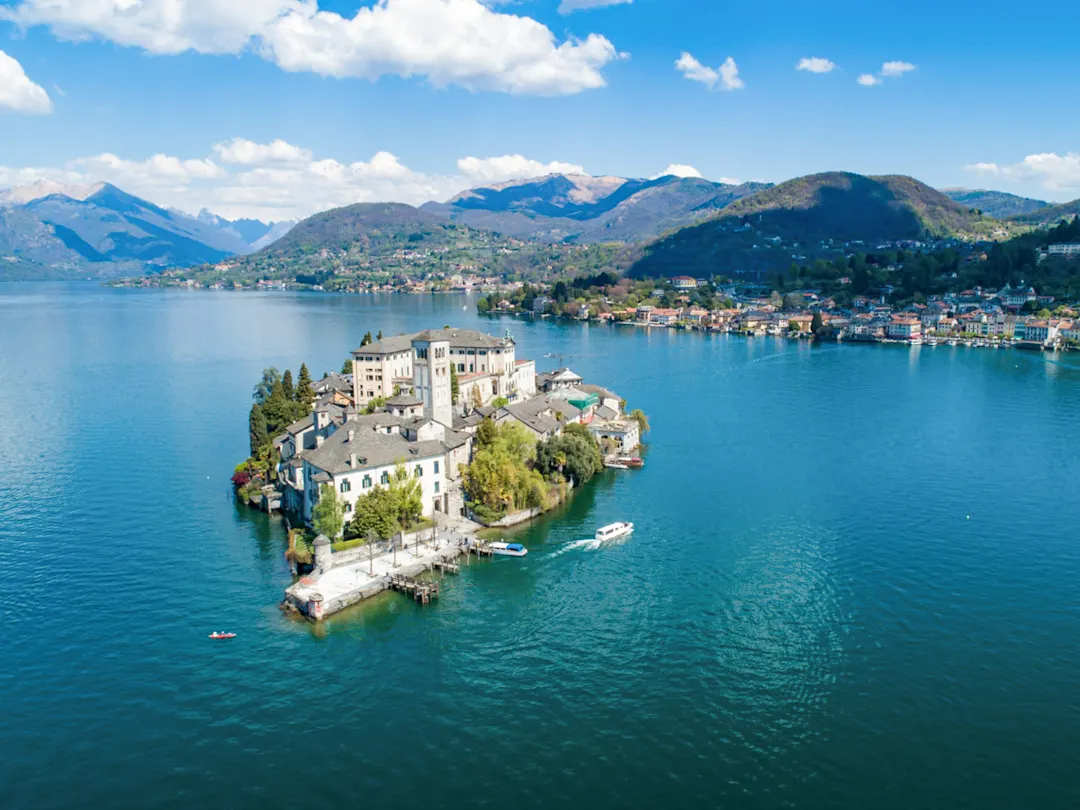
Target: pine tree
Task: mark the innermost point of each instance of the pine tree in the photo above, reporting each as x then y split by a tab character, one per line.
379	336
367	339
287	384
257	432
346	367
305	393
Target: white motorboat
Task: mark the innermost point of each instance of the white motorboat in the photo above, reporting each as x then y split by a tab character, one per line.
509	549
613	530
616	465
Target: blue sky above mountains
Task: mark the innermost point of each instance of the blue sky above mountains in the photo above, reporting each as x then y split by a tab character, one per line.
278	108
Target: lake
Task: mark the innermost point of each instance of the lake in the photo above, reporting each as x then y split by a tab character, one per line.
855	580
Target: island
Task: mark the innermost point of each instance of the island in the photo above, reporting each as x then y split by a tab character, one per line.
391	466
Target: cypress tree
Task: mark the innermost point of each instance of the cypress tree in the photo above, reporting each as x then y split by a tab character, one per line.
305	393
287	384
379	336
257	432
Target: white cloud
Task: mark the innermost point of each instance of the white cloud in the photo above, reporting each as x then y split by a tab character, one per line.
249	153
815	64
889	70
460	42
1049	170
18	93
678	170
511	167
726	76
277	180
569	6
896	68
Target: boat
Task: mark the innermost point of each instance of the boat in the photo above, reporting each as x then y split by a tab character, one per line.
509	549
218	634
615	465
631	461
613	530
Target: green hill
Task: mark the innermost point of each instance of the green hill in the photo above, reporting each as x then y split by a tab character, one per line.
380	241
998	204
813	216
1051	214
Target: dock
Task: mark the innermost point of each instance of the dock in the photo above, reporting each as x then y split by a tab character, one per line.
343	579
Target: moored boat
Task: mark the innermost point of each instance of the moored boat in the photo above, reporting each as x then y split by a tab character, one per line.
218	634
615	465
613	530
631	461
509	549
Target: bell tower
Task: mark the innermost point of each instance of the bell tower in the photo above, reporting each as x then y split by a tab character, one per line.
431	376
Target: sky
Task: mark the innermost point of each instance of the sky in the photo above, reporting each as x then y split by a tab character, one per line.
277	109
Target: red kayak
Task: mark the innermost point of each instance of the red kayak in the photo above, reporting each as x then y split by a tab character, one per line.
223	635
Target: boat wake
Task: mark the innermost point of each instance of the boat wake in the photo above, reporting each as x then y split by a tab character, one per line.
589	544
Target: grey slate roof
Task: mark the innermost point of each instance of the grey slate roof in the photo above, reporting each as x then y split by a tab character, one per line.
600	391
605	413
301	425
372	448
404	401
458	339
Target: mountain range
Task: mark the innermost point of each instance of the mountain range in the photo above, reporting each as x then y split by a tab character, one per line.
659	226
580	208
54	231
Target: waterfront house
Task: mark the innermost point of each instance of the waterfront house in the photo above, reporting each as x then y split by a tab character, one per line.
549	381
622	436
904	327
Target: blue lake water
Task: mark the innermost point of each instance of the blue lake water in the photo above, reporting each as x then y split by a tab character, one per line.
855	580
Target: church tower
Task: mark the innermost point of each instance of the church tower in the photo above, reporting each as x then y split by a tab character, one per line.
431	375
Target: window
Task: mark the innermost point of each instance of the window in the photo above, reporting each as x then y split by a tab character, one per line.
436	468
346	486
348	507
418	470
461	367
436	487
367	481
385	479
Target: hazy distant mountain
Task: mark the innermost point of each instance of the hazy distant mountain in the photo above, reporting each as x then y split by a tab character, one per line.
254	233
54	231
802	217
998	204
575	207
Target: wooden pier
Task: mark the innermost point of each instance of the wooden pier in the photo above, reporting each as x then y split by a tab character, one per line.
480	549
422	592
446	567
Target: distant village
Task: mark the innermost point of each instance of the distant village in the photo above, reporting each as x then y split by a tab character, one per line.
1009	316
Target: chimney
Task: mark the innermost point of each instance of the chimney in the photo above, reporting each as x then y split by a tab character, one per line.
318	441
352	460
352	433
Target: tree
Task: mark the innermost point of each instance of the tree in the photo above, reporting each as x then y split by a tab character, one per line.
305	391
367	339
500	402
575	454
407	494
328	515
280	411
287	385
379	336
374	513
476	398
346	367
817	324
266	385
642	420
257	433
453	384
486	432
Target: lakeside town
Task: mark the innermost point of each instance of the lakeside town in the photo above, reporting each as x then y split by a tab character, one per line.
420	435
1010	316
